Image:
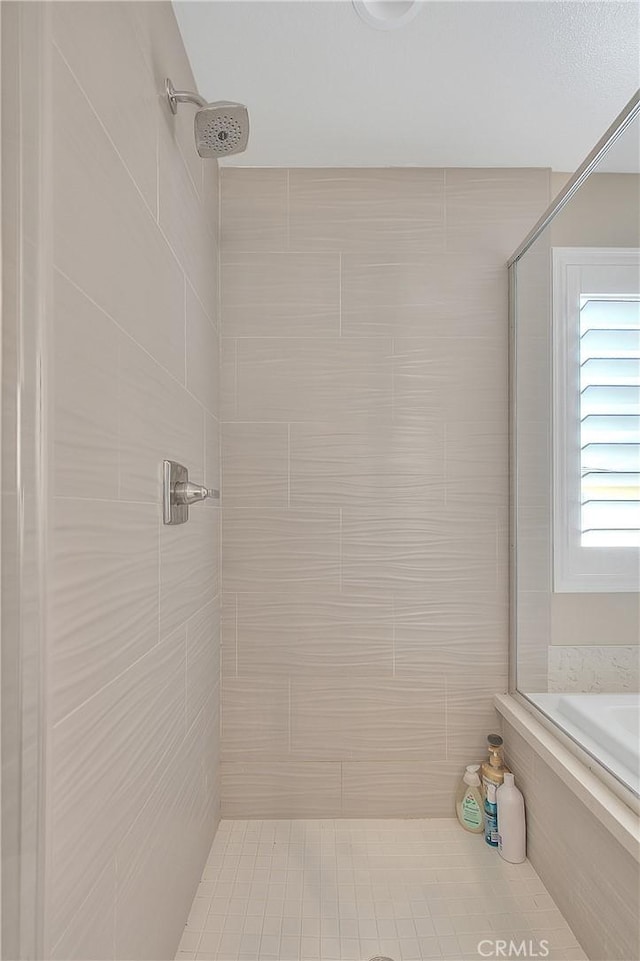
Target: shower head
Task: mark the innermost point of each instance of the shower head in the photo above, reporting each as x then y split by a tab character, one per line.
221	129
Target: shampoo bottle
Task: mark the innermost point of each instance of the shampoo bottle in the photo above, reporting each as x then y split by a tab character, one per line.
469	804
511	821
491	816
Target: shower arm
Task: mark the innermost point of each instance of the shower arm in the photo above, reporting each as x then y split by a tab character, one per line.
182	96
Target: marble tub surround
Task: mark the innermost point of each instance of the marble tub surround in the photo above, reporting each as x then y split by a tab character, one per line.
365	482
592	669
322	890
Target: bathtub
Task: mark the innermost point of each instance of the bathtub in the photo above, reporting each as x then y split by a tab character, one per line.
605	725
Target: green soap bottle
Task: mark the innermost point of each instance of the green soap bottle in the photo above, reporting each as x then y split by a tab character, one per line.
469	803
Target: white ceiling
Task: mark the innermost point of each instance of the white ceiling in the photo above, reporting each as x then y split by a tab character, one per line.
464	84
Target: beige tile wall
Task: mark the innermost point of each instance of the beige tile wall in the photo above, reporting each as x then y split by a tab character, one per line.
133	673
591	877
364	436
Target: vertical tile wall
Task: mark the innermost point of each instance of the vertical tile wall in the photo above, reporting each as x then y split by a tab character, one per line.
365	465
133	673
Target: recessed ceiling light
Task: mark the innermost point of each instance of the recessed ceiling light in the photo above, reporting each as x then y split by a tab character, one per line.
387	14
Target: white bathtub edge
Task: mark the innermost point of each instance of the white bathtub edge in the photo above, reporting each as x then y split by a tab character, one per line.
617	816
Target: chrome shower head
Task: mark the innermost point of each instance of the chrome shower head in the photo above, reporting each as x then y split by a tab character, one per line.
221	129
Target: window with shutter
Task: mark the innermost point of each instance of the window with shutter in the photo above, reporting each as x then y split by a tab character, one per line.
596	420
610	422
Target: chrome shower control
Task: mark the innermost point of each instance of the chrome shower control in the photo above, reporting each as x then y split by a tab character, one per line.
179	493
192	493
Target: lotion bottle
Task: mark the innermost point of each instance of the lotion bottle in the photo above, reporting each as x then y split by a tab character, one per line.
511	821
469	805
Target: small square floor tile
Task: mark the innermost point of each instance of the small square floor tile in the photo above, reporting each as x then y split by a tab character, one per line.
351	890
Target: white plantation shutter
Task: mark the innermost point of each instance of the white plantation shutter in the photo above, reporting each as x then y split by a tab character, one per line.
596	419
610	422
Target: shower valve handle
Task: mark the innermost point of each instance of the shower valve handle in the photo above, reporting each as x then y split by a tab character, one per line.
178	493
188	493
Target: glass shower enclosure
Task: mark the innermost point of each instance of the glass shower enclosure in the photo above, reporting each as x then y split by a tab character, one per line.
575	402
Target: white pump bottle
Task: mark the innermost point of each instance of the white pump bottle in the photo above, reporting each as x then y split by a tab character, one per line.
512	837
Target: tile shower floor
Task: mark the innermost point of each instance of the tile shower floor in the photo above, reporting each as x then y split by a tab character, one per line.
348	890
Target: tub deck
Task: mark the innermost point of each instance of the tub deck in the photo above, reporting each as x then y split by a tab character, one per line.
606	725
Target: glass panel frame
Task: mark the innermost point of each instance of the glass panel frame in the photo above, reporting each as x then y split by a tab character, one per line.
520	456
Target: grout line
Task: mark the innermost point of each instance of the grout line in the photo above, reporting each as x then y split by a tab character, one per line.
186	671
161	639
185	326
114	895
340	292
393	636
288	465
236	635
340	559
446	718
205	310
160	523
204	453
445	462
155	215
108	135
289	714
210	318
317	338
220	712
394	369
288	209
133	340
228	261
118	414
104	500
235	377
111	862
444	204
